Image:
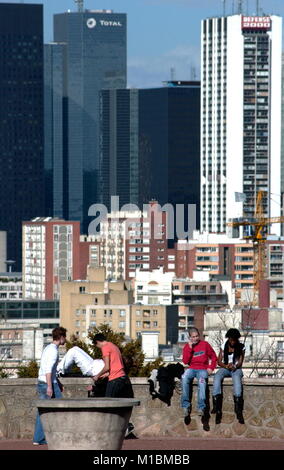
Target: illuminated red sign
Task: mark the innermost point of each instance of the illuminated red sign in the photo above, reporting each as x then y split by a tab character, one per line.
256	22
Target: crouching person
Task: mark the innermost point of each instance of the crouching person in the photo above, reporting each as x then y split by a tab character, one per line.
230	360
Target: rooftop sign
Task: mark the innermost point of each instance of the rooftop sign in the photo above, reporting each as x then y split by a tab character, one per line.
256	22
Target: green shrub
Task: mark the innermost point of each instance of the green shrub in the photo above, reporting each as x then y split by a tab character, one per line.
3	373
28	371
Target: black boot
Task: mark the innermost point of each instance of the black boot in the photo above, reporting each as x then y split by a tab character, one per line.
217	407
239	406
214	399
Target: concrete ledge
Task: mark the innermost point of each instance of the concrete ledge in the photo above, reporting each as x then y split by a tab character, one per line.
268	382
263	410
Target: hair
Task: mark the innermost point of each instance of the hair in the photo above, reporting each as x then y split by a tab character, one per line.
58	332
238	348
233	333
193	330
99	337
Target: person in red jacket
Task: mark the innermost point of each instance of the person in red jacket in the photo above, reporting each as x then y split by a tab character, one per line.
201	360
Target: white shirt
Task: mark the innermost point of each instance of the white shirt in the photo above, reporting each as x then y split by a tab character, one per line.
230	355
48	363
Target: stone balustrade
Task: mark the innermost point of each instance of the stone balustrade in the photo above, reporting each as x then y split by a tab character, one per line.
263	410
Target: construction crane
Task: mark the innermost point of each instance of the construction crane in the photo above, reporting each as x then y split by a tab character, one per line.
257	230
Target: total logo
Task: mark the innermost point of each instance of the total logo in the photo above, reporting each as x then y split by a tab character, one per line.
92	23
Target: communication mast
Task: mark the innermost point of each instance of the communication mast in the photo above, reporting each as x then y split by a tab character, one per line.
257	7
240	7
80	5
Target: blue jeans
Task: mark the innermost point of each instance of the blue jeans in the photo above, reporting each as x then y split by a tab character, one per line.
236	377
41	389
187	380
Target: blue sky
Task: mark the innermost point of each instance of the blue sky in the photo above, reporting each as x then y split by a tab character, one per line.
162	34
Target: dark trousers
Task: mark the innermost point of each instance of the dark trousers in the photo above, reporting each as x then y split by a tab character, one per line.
119	388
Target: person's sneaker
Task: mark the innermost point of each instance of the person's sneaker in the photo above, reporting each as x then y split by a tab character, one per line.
36	444
129	430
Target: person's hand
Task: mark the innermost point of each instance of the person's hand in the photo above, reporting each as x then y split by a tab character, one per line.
231	366
210	371
190	342
49	392
95	378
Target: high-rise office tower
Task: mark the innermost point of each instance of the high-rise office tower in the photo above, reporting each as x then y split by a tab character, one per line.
55	131
241	117
21	120
150	147
282	147
91	48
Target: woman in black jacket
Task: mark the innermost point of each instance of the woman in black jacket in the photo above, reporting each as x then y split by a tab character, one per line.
230	360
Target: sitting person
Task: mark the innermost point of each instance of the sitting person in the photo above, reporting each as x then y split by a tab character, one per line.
230	360
201	360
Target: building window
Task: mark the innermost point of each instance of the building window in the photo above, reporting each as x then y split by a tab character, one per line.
93	313
82	289
122	313
155	323
138	312
138	324
121	324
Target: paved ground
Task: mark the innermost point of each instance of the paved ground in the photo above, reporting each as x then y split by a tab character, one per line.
169	443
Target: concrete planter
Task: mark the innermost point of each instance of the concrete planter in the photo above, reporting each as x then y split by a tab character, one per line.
85	424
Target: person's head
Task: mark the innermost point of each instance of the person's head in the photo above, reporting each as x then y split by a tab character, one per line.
233	336
59	335
194	335
99	340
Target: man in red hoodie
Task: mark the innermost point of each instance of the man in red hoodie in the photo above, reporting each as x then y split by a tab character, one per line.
201	360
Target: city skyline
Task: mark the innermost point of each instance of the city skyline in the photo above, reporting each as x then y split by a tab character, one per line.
154	53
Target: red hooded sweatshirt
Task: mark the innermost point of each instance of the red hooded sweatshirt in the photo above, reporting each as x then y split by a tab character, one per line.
200	356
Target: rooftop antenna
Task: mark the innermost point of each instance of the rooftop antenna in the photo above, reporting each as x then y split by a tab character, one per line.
173	74
257	7
80	5
240	7
224	7
193	72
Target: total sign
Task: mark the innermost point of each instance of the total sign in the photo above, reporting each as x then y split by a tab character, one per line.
92	23
256	22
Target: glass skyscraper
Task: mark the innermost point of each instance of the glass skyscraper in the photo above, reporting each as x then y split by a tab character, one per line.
150	145
21	120
91	48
